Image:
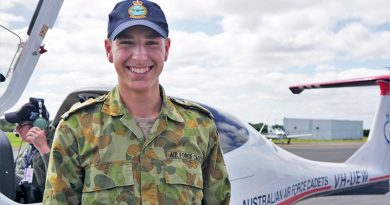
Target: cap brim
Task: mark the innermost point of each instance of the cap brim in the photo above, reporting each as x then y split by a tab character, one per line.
12	117
141	22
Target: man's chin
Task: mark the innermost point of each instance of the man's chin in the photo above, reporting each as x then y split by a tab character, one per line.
140	86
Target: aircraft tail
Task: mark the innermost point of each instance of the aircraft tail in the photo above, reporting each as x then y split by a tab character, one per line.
375	153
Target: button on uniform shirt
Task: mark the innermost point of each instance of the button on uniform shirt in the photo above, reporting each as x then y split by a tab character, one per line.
100	156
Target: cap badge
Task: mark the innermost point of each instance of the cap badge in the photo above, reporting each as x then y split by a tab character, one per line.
137	10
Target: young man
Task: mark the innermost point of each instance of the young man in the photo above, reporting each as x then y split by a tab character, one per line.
136	145
33	127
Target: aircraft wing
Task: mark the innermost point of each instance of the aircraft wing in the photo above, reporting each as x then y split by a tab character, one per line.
368	81
299	135
271	136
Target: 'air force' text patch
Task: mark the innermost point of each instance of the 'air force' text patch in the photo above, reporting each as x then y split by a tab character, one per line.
185	156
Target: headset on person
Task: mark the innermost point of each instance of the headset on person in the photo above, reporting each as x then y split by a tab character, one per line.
40	122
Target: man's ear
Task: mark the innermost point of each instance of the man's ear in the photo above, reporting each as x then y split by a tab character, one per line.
167	46
108	47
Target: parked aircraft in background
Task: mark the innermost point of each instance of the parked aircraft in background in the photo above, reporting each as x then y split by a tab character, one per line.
260	172
279	134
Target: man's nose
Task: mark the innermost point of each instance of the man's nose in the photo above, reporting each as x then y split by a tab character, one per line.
139	53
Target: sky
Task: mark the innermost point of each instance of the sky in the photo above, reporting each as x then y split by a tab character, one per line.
238	56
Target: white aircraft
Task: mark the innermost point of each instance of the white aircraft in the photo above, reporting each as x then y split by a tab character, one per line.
260	172
279	133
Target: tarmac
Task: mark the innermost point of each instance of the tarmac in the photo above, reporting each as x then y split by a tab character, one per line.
333	152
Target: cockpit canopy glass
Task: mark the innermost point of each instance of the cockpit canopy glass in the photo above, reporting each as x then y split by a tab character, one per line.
232	132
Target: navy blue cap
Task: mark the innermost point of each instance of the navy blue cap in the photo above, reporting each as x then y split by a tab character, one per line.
28	112
134	13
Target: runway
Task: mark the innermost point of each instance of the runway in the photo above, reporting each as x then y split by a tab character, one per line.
333	152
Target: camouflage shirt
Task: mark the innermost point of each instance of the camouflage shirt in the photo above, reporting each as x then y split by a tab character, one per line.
100	156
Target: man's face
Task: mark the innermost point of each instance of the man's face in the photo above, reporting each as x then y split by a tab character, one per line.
138	54
22	129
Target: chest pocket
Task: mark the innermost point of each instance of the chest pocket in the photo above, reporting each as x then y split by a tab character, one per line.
184	182
105	182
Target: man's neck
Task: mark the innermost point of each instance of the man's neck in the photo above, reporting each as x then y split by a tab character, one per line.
142	104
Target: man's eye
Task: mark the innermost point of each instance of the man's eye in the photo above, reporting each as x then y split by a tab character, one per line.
150	43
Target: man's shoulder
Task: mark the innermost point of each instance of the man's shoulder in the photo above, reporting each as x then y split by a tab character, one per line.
77	107
189	105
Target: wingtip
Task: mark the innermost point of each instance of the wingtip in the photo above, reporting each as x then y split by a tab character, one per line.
295	89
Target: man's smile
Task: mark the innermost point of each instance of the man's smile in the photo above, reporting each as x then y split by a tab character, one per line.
139	70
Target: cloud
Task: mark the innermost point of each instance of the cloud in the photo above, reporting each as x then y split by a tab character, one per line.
244	66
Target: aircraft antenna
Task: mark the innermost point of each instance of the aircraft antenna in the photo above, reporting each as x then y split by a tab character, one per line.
16	53
9	30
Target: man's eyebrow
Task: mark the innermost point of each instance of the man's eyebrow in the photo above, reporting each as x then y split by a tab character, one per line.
129	36
153	35
124	35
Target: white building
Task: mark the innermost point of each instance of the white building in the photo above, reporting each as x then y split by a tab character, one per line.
324	129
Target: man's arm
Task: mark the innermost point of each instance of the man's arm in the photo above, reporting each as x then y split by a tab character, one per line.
40	168
49	140
41	162
64	175
216	184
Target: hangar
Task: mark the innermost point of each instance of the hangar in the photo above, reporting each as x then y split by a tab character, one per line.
323	129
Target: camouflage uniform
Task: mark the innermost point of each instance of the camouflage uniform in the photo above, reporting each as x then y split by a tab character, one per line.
100	156
38	163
